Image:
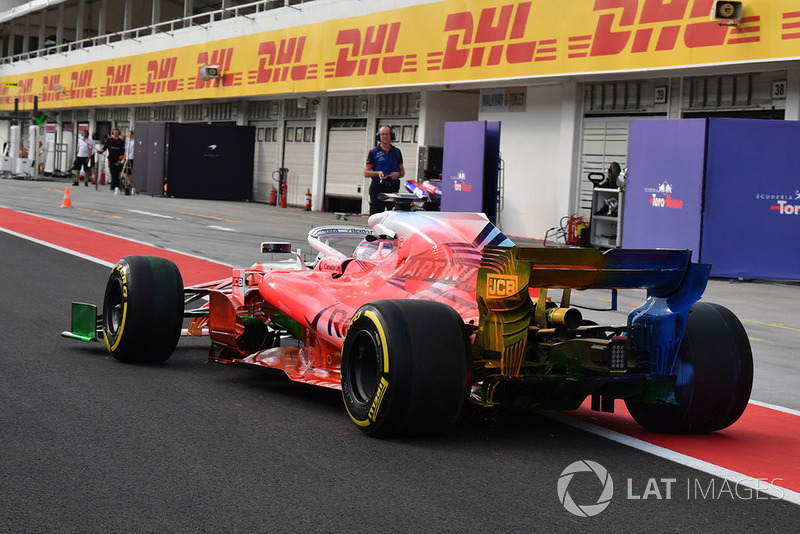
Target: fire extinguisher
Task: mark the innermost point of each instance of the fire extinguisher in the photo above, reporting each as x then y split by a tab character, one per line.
284	194
574	227
102	177
308	200
94	175
273	196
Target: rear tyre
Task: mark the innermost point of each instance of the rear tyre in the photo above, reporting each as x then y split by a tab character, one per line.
143	309
404	367
714	376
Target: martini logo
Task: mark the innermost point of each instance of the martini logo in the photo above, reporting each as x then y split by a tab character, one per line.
662	197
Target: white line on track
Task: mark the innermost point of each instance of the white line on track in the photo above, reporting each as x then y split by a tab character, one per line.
732	476
151	214
775	407
224	229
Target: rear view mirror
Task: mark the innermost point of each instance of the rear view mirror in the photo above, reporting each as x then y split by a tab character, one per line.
275	248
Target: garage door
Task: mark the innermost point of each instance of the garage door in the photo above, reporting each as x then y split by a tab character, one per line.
266	158
347	154
298	157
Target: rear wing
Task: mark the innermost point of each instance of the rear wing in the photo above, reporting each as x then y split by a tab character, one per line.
660	271
663	273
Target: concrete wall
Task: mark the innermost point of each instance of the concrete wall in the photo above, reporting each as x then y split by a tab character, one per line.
537	147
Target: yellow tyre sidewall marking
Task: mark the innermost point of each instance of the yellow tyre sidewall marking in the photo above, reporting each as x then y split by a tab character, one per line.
383	386
112	348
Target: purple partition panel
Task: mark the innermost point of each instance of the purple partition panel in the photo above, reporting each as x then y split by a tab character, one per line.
664	189
491	162
751	225
462	166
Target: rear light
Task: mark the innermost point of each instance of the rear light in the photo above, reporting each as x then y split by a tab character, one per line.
618	354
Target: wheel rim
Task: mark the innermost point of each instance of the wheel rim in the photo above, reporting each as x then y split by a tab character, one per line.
365	368
113	313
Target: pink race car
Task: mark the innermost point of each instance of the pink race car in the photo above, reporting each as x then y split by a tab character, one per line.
432	310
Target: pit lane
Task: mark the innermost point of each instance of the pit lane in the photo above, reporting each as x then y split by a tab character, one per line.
91	444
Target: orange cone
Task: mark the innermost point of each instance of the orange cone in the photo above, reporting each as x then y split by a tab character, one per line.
67	202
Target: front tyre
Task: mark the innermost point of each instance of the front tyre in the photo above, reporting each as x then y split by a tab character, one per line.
714	376
143	309
404	365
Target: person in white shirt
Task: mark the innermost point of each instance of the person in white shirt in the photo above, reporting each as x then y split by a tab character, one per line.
85	151
127	169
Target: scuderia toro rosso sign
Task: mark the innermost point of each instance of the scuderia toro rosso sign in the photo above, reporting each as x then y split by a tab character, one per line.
782	203
661	196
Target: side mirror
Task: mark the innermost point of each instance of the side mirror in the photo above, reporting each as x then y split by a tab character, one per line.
276	248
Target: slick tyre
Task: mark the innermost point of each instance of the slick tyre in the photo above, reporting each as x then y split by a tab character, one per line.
714	376
143	309
404	367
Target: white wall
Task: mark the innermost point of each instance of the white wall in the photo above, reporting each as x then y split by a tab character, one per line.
438	107
537	147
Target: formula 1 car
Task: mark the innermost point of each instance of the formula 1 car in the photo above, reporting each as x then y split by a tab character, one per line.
433	310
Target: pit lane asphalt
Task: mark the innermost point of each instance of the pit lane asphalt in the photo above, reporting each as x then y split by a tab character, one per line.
92	445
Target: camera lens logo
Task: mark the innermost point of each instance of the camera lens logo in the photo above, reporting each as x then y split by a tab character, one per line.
586	510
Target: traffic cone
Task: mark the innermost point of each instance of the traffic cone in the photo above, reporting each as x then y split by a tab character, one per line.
67	202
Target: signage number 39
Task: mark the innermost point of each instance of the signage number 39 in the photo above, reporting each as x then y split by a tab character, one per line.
779	90
660	96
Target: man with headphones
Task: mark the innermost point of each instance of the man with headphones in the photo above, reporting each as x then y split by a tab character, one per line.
385	167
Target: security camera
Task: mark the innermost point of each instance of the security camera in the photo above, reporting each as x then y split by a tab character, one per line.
727	12
209	72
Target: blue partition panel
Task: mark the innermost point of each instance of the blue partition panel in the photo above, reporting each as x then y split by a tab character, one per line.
751	224
664	190
491	162
469	167
462	166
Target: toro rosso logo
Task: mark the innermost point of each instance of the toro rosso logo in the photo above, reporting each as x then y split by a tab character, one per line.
662	197
785	204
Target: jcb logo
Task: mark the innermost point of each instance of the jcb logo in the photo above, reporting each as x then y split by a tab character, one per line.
501	285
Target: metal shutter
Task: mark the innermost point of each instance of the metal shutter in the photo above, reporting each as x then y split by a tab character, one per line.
298	157
266	159
345	162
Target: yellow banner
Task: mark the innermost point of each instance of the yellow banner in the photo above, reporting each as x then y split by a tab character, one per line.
444	42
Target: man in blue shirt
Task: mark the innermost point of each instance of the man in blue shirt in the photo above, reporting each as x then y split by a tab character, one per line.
385	167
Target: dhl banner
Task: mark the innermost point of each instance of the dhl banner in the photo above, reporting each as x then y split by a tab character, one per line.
443	42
